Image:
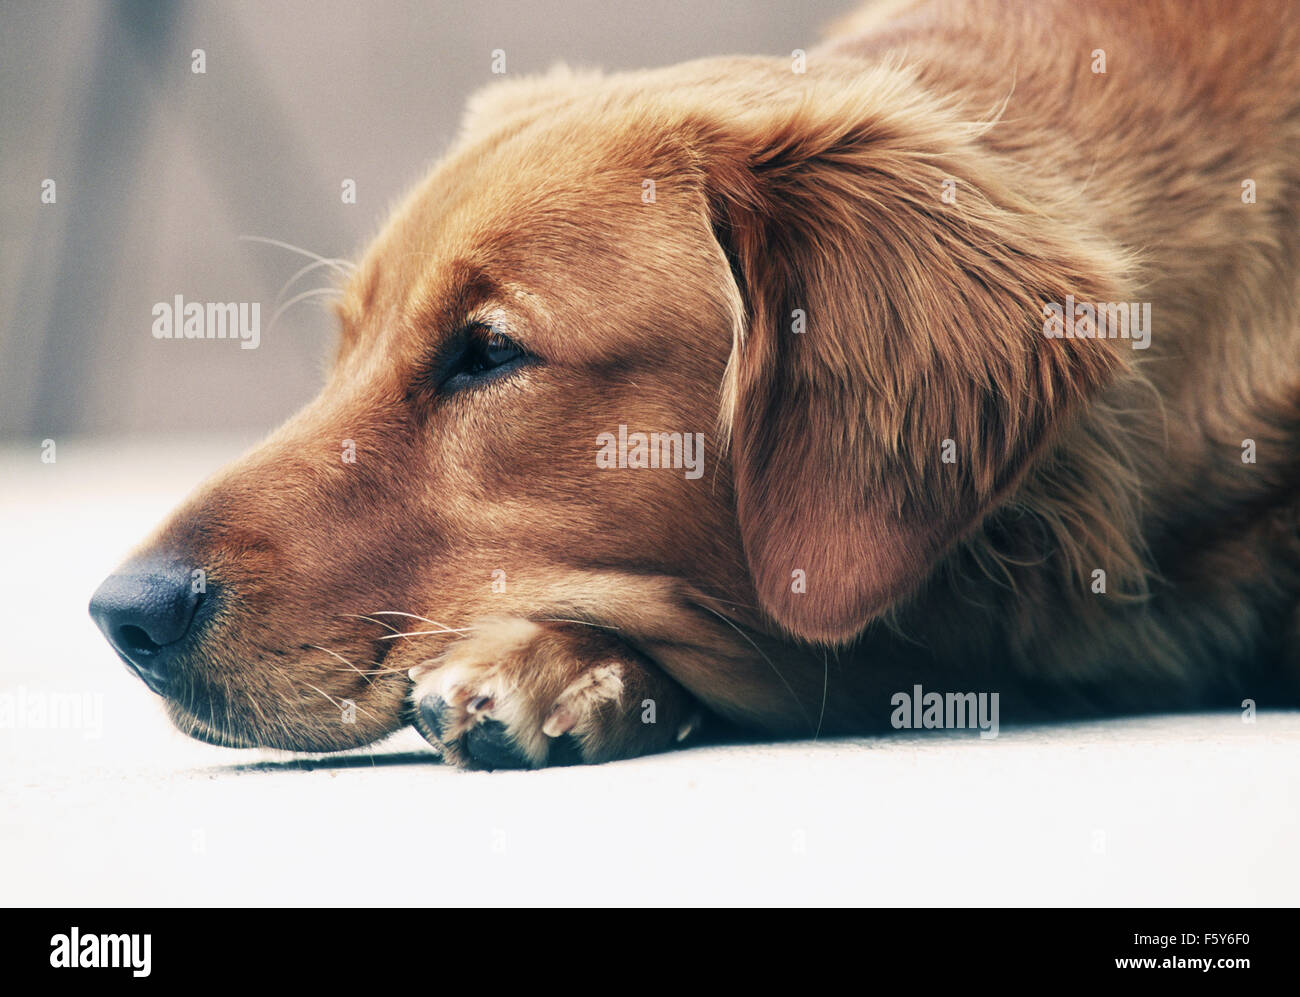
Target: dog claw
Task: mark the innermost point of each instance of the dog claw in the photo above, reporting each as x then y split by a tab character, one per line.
688	728
436	715
417	672
559	721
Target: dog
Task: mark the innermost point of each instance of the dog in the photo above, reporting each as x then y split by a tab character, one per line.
747	394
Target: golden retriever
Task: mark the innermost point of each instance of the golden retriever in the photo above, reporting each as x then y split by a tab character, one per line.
960	352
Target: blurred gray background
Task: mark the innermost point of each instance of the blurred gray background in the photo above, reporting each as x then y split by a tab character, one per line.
159	171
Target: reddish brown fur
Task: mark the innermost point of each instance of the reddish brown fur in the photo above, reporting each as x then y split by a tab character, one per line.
818	191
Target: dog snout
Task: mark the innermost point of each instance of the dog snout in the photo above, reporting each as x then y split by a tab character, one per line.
147	611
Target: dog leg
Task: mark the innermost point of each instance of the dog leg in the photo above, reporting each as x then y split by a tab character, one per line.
523	694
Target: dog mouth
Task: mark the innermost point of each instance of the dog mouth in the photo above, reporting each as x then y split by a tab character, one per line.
294	710
285	730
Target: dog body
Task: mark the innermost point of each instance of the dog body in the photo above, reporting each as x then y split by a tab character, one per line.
858	283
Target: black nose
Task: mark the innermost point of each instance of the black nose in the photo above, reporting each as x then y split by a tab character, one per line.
146	610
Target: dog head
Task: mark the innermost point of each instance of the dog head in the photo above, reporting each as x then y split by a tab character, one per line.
744	280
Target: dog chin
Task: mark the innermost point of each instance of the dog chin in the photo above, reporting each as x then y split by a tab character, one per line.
224	736
225	732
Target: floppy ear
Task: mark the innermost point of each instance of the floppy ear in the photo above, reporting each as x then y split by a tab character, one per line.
890	380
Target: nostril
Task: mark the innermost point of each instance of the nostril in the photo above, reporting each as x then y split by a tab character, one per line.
147	611
134	641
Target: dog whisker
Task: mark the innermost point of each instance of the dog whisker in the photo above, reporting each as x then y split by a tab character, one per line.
342	266
344	660
302	273
296	698
426	633
257	710
413	616
314	293
726	603
370	619
338	703
771	664
826	684
585	623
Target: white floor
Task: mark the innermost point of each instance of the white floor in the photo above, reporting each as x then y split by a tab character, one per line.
1171	810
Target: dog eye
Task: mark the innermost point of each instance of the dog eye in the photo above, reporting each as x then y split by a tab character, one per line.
484	353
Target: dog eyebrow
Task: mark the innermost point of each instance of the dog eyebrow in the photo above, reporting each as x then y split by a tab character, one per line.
447	302
440	305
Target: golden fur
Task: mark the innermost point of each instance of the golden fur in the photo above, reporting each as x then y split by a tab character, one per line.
820	192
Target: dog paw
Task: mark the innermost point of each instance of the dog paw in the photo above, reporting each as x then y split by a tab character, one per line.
521	694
